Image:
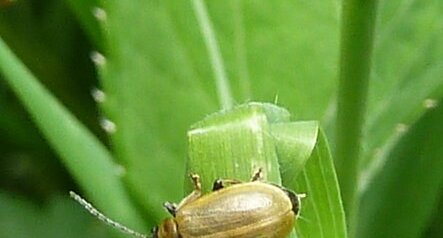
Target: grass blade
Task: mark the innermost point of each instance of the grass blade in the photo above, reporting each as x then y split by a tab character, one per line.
406	76
405	193
83	154
322	210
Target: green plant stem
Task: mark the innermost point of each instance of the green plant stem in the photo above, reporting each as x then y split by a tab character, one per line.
357	38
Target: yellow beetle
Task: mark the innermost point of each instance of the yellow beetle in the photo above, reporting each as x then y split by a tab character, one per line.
233	210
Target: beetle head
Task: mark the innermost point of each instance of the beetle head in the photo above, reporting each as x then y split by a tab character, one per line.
167	229
295	200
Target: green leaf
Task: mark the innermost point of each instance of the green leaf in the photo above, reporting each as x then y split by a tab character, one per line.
278	49
294	143
15	126
322	212
87	12
153	94
407	75
232	144
158	78
406	84
82	153
435	229
401	200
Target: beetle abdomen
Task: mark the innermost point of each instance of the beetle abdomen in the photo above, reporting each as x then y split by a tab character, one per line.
252	209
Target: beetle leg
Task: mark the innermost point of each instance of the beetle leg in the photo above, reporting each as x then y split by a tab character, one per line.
195	194
171	208
258	175
222	183
196	181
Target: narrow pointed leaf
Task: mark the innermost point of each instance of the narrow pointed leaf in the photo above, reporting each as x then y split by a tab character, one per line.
304	144
83	154
407	75
405	194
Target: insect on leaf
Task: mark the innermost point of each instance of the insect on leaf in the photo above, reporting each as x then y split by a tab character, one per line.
232	144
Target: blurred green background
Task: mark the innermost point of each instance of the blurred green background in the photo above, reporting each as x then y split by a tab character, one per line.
158	80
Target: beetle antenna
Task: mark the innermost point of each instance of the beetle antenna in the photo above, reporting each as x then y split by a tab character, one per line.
91	209
304	219
300	196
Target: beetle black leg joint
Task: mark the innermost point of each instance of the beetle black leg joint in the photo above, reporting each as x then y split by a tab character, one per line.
171	208
218	184
258	175
154	232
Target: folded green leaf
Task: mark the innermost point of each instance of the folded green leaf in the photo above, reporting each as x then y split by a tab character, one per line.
322	209
295	142
306	167
232	144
